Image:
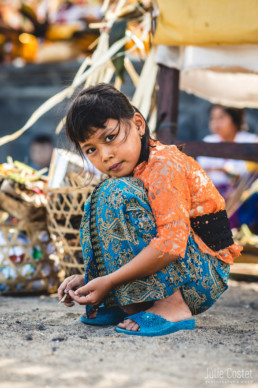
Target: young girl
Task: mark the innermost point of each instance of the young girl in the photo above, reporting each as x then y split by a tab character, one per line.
155	236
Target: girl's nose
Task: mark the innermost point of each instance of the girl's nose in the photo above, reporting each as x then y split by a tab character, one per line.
106	154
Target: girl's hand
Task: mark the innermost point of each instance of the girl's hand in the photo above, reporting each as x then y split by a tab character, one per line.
94	292
71	283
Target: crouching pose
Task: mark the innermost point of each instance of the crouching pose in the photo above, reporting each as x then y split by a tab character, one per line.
155	235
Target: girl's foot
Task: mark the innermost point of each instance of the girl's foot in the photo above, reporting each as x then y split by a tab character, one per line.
92	314
173	309
136	307
130	309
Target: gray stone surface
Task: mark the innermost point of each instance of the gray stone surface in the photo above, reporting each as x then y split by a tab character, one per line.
44	344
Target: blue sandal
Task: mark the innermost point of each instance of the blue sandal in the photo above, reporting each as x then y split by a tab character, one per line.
105	316
152	325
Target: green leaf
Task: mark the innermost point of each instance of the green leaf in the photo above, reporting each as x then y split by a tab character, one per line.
117	32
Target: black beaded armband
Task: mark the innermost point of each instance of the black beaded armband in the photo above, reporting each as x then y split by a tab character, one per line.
214	230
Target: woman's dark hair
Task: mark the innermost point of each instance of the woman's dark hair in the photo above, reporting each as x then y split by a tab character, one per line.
92	107
43	139
237	115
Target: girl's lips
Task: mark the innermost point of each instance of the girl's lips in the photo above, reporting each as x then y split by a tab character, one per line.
115	167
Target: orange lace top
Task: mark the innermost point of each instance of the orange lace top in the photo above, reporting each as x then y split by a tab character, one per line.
178	188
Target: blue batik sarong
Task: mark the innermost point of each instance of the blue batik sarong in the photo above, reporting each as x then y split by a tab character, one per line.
117	224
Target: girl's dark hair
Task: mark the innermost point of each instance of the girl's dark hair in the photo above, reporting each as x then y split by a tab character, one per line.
237	115
93	107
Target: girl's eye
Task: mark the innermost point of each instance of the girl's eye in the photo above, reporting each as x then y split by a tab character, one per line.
109	138
90	151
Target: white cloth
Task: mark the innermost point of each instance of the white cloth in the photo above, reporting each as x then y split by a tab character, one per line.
225	75
236	167
191	57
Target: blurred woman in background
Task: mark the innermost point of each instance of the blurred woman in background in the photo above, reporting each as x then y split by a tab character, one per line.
226	125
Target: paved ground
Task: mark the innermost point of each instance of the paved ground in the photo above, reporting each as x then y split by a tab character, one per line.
43	344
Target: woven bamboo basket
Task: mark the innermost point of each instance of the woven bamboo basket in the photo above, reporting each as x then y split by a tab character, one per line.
26	265
64	212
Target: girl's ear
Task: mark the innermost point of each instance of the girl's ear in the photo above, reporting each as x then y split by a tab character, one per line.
140	123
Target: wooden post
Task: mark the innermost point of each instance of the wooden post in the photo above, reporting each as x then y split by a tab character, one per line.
168	98
225	150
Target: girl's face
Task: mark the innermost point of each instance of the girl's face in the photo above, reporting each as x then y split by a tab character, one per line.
222	124
115	151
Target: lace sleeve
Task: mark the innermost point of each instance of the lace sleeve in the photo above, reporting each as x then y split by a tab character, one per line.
169	197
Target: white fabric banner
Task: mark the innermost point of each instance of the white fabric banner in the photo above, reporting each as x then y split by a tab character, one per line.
226	75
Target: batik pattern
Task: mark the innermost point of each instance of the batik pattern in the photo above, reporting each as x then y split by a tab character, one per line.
117	224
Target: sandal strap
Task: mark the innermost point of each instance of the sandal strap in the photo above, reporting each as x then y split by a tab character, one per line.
146	319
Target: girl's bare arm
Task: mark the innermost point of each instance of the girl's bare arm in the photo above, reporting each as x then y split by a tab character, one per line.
147	262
